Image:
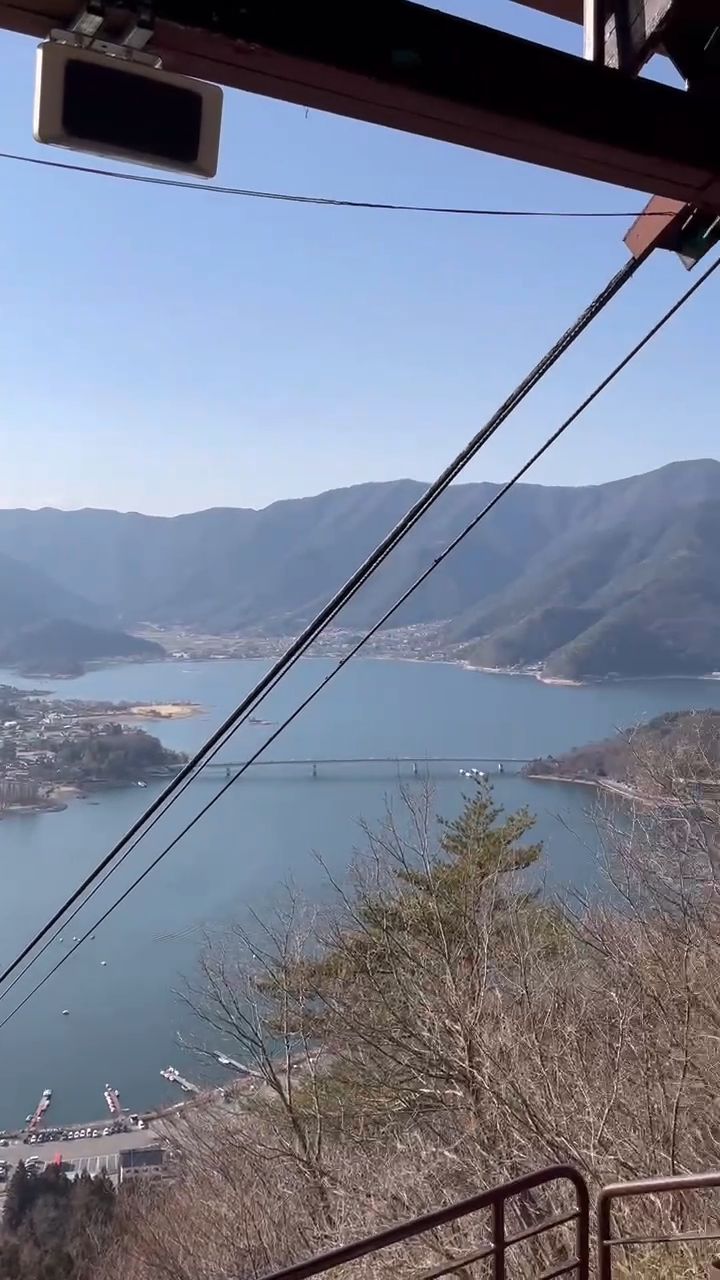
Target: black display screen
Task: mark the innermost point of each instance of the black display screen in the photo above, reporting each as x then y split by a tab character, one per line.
105	105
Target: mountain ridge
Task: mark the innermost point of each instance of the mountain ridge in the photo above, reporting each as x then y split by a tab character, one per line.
584	581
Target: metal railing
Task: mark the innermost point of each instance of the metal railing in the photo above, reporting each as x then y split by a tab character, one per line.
494	1250
607	1242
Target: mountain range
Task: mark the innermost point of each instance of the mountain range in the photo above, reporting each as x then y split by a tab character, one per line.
587	581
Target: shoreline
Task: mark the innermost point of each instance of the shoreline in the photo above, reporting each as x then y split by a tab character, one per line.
613	788
165	710
52	804
566	681
527	672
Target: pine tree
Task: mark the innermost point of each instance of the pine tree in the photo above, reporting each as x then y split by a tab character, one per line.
18	1199
475	851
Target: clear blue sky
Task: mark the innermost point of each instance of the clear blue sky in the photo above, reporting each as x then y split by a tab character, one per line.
165	351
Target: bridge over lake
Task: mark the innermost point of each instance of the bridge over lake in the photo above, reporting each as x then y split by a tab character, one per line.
416	766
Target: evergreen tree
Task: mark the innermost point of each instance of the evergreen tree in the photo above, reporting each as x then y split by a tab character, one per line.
52	1227
18	1198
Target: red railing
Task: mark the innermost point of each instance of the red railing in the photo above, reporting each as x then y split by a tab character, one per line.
607	1242
495	1249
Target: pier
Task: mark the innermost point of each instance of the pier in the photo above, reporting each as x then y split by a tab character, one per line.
173	1075
112	1098
42	1107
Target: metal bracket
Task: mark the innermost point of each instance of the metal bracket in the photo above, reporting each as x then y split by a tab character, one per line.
87	32
89	20
140	29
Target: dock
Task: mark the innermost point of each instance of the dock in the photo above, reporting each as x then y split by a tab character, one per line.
112	1098
41	1109
173	1075
240	1067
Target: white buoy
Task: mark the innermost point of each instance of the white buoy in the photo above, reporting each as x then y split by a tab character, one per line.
59	939
66	1013
103	962
75	937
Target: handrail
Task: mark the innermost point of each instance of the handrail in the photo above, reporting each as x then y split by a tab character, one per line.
495	1198
645	1187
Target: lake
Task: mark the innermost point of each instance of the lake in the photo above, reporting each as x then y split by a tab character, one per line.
124	1016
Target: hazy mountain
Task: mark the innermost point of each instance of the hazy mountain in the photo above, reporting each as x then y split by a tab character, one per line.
639	598
46	627
614	577
59	646
28	594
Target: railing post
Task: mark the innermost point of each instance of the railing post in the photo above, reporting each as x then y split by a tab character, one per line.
604	1268
582	1229
499	1237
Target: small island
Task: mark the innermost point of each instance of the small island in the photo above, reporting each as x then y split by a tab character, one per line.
52	749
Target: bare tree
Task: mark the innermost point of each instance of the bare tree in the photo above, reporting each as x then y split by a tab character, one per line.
442	1026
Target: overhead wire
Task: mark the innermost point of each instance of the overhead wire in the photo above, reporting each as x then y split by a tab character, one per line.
332	202
451	546
160	805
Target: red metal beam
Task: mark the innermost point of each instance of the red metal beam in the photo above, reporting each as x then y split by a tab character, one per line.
657	226
402	65
569	10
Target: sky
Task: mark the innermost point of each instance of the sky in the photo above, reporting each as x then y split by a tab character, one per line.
166	351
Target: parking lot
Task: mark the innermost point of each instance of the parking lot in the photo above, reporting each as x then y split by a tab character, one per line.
89	1153
108	1163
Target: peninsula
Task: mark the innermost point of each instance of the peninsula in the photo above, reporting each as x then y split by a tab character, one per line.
52	748
634	761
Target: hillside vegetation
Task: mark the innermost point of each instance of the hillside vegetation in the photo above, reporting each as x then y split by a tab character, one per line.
691	739
437	1027
617	577
113	754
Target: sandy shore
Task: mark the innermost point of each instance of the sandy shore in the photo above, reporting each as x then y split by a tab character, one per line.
162	711
63	792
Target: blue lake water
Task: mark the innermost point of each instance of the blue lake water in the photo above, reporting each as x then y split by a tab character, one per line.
124	1016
